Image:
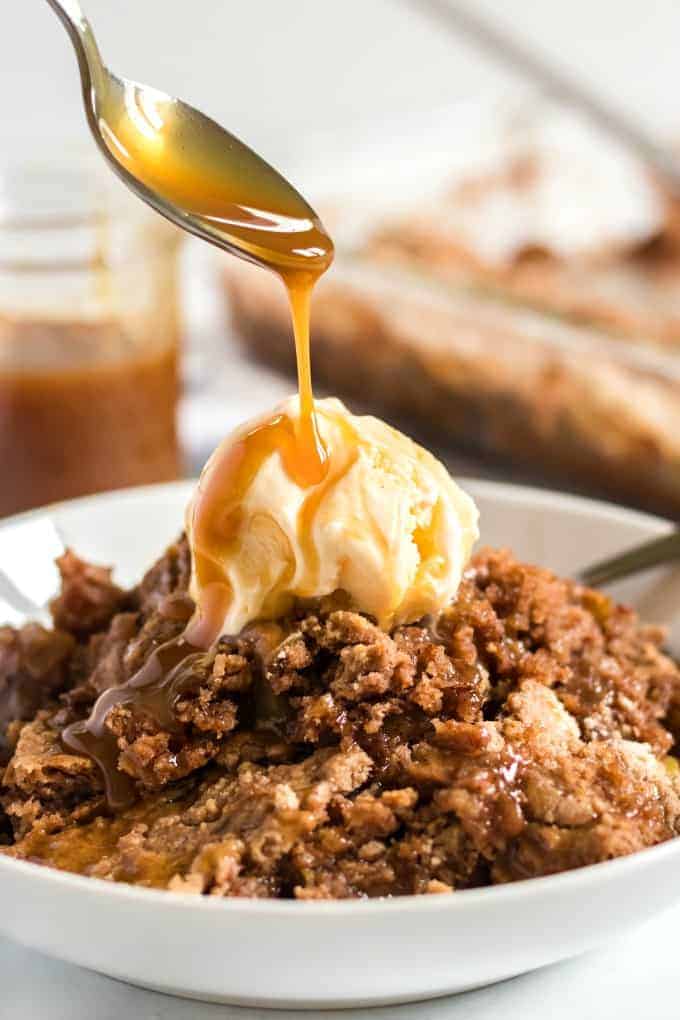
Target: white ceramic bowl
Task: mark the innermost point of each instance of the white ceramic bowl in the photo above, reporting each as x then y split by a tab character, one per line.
343	953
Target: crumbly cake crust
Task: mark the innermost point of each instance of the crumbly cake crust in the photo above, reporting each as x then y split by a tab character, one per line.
525	731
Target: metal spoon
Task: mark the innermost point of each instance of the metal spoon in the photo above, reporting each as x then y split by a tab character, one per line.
191	170
657	552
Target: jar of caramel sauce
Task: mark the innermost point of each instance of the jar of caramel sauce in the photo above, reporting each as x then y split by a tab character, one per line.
89	337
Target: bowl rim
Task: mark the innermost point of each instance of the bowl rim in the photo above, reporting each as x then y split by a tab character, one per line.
560	883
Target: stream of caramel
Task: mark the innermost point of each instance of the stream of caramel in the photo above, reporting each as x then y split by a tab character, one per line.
247	207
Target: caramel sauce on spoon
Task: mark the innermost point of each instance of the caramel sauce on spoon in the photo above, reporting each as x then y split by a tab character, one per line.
247	208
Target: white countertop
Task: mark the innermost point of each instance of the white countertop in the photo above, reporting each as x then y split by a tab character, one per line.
633	979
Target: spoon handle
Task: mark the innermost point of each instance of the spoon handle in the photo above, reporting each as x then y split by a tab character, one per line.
90	63
71	10
643	557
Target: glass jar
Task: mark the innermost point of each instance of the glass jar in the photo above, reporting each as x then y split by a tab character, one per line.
89	337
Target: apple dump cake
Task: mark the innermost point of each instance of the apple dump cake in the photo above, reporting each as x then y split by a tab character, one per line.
523	730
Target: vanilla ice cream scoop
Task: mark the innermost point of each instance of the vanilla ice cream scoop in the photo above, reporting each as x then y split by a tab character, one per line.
386	524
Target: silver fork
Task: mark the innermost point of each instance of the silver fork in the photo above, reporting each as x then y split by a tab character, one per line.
657	552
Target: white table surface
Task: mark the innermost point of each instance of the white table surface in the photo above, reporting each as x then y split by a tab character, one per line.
632	979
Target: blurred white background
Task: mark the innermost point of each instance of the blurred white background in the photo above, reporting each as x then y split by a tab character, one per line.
276	71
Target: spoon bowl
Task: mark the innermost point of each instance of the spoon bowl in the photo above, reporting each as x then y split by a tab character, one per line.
191	170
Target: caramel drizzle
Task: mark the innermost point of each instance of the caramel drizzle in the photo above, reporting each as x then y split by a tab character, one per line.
310	455
244	200
217	508
152	691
